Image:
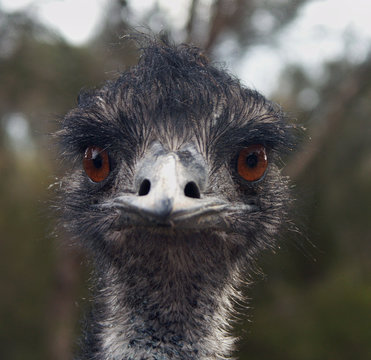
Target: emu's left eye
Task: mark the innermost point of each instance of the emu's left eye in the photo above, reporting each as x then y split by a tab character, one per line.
252	162
96	163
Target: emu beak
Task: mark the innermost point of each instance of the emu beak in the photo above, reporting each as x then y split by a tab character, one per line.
169	191
160	193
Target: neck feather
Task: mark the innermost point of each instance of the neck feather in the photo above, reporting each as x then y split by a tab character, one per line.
164	299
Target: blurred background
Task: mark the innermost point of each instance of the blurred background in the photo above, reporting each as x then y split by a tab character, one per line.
312	57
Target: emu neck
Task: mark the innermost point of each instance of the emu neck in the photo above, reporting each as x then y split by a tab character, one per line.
167	299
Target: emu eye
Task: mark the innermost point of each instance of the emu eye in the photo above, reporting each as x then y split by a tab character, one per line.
96	163
252	162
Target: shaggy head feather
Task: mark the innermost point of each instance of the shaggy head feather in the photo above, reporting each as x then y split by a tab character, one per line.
166	292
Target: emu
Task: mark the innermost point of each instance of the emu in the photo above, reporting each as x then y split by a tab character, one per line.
174	186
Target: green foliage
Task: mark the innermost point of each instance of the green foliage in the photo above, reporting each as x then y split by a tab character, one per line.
26	256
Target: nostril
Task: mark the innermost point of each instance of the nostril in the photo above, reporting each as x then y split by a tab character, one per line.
145	187
191	190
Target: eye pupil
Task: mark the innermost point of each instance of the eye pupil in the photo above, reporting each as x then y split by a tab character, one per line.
252	160
97	161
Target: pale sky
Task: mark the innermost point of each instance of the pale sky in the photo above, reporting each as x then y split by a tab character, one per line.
316	35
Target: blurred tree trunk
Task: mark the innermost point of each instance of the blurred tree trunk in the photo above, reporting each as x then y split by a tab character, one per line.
191	21
331	112
63	311
225	14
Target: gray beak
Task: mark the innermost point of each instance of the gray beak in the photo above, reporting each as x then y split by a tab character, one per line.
169	190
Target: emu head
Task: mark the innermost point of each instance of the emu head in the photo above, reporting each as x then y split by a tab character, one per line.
175	186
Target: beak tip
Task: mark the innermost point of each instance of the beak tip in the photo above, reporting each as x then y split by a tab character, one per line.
165	208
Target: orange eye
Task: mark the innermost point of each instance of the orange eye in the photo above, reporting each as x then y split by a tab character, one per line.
96	163
252	162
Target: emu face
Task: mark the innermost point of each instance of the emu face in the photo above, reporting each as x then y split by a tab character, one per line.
175	187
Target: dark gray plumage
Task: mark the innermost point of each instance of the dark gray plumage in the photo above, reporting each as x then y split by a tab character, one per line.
156	193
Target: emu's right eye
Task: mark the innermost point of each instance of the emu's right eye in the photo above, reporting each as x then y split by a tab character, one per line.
96	163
